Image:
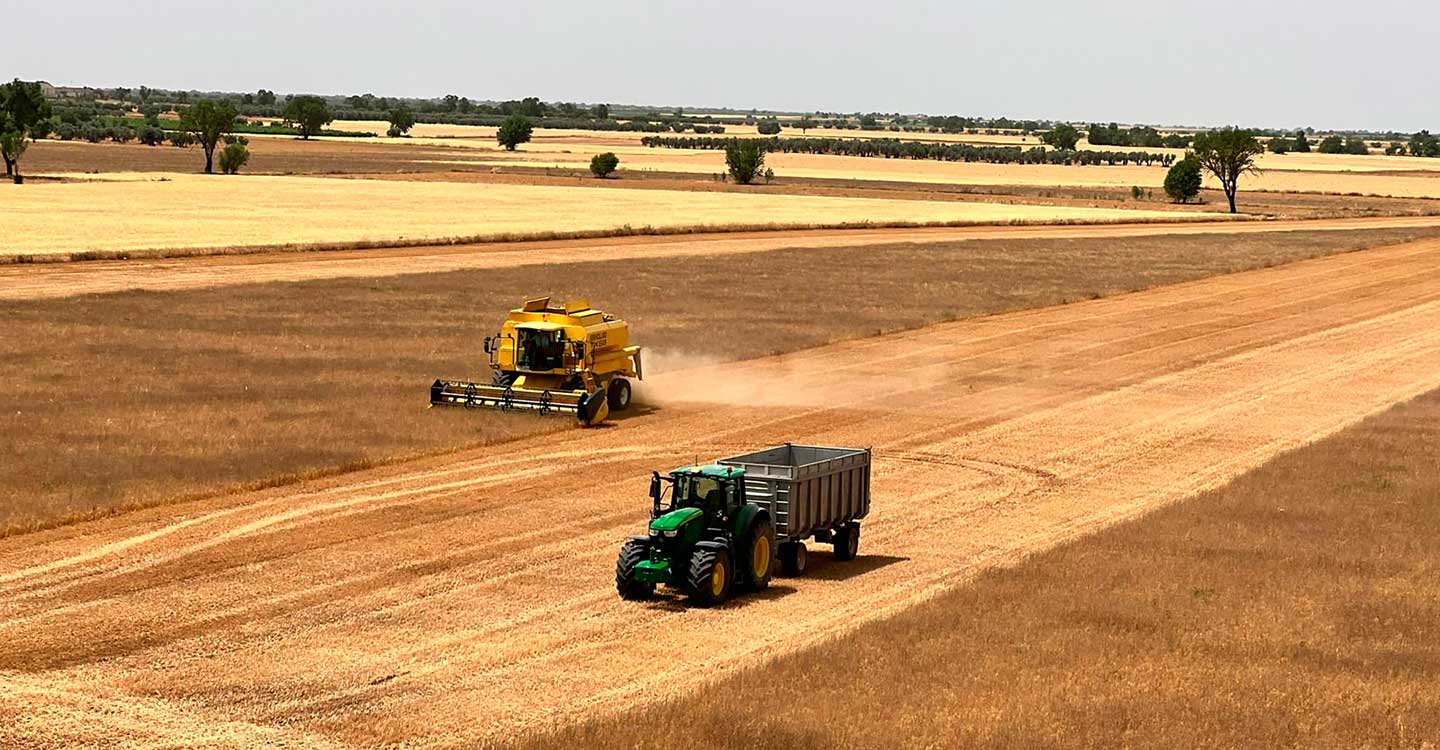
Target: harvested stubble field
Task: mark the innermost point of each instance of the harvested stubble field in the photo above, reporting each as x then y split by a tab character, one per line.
164	396
1295	607
421	605
193	211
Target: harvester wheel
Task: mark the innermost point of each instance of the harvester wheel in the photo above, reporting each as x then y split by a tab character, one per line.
711	576
847	542
631	555
502	379
619	390
758	554
793	557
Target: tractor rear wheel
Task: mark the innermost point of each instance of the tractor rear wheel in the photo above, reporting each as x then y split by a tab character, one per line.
793	557
758	555
847	541
631	555
711	576
619	390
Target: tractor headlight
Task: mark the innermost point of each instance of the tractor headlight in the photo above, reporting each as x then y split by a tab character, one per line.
654	532
671	533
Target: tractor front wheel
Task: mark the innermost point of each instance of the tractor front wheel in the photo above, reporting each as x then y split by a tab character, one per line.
793	557
847	541
711	576
758	554
631	555
619	391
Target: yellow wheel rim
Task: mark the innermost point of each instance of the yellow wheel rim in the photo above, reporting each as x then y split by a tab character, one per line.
762	556
717	579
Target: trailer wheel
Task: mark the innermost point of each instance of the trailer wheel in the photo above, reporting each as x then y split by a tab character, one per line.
630	589
758	554
711	576
847	541
619	394
793	557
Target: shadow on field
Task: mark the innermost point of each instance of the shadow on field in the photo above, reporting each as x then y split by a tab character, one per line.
824	567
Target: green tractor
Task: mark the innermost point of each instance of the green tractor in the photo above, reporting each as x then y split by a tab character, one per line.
707	540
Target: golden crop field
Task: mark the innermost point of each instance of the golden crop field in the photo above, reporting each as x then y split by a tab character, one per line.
193	211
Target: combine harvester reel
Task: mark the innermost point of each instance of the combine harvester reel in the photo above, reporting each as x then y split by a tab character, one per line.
566	359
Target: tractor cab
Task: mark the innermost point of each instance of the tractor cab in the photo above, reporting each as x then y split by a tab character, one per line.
716	491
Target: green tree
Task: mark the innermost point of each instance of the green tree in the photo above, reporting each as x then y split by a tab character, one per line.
1182	183
265	98
1280	145
745	159
401	120
1302	142
805	123
1424	144
309	113
603	164
768	126
24	114
151	135
600	111
1228	154
1332	145
208	121
1063	136
233	157
514	131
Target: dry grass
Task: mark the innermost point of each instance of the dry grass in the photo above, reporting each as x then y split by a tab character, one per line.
139	398
260	210
1297	607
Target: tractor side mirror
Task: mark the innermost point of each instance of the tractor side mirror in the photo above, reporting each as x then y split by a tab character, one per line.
487	344
655	486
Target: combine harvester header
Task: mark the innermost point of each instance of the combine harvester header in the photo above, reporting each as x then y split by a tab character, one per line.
553	359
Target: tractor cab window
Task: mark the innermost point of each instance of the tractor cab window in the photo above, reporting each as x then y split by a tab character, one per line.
540	351
700	492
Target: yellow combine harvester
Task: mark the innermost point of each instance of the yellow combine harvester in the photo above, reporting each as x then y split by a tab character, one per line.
566	359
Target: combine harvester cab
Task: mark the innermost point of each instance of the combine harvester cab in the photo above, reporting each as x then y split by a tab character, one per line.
567	359
720	527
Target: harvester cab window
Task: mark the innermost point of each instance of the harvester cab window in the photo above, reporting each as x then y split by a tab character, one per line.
541	351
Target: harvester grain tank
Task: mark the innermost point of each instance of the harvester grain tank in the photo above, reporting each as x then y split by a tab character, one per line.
721	526
553	359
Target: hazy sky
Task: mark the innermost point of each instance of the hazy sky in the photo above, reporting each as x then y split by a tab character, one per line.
1322	63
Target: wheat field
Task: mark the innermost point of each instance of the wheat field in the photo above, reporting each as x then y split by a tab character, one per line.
140	211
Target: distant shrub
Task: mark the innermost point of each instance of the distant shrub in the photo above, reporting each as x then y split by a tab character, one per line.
769	126
514	131
66	131
1182	183
182	139
121	134
601	165
745	159
92	132
233	157
151	135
